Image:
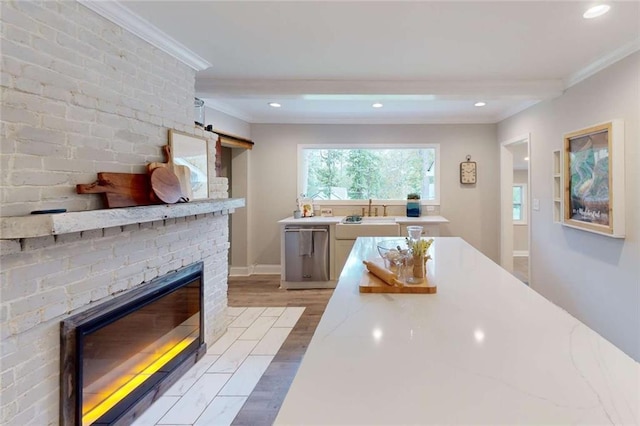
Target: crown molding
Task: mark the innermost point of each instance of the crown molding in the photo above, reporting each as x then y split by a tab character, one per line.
602	63
122	16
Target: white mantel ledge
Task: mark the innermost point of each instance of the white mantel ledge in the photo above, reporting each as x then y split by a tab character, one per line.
16	227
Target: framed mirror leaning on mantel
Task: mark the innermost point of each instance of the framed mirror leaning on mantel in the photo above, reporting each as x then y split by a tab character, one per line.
191	151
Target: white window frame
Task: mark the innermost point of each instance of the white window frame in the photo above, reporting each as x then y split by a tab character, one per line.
301	177
523	205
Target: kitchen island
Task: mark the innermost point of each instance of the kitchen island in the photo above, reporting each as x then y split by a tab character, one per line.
485	349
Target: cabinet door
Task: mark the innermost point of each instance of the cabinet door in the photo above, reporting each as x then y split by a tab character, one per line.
343	248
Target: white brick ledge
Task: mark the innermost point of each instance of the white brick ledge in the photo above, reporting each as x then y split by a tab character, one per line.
32	226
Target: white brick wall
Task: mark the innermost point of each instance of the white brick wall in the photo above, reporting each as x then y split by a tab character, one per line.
80	96
44	280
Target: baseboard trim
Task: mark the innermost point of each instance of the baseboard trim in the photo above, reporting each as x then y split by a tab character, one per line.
245	271
267	269
240	271
520	253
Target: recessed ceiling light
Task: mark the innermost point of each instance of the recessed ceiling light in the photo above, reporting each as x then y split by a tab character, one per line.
480	104
377	105
274	104
596	11
526	158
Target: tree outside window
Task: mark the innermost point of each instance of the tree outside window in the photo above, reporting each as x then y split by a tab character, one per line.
371	172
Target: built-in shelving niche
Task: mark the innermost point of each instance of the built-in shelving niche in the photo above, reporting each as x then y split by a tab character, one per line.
557	190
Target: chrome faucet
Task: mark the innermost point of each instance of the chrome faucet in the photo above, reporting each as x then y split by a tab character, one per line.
369	207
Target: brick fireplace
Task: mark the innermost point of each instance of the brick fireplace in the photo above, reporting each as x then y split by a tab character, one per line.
81	95
46	279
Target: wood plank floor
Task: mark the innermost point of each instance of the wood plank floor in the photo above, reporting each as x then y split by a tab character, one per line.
263	404
521	268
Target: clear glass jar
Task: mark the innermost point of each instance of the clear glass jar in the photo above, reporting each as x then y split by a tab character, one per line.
199	112
415	232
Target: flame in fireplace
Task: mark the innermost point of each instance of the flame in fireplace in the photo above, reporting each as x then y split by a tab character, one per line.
110	397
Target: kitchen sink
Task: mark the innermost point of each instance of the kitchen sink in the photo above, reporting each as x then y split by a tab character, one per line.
379	219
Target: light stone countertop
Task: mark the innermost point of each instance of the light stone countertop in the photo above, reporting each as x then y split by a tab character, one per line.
485	349
329	220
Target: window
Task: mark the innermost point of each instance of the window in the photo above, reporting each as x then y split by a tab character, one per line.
520	204
345	174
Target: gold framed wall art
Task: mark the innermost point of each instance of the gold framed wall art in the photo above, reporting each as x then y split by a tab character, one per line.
593	178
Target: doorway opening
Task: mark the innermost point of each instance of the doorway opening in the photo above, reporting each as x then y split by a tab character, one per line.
515	207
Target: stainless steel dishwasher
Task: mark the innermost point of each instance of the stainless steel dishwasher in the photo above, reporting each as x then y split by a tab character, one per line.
306	253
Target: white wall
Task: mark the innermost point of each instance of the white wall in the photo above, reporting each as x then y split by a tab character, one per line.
472	210
593	277
226	123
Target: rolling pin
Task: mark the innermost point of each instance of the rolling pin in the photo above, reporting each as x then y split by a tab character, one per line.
384	274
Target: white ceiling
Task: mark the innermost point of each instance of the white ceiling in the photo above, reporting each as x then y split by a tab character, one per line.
426	61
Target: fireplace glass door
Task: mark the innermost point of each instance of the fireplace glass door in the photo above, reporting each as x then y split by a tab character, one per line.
123	354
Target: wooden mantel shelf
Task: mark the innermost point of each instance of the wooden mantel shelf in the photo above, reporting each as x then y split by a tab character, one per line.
16	227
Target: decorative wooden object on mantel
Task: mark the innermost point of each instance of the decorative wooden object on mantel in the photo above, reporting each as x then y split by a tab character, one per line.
183	173
120	189
166	185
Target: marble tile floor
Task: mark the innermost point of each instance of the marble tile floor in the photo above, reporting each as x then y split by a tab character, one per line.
214	390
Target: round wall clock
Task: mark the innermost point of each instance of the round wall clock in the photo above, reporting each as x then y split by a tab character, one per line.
468	171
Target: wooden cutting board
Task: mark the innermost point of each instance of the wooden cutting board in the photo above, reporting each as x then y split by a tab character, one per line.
182	172
184	176
165	185
120	189
370	283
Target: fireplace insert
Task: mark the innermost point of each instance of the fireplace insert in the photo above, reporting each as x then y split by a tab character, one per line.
119	356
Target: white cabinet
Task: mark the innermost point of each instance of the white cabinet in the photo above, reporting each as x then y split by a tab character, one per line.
557	186
346	235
